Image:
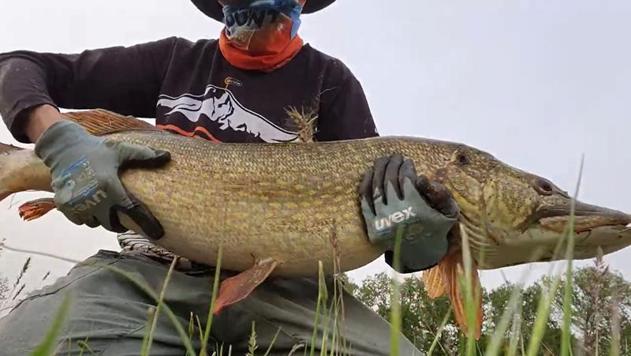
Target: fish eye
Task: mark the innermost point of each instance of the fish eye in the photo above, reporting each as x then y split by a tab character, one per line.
462	159
543	186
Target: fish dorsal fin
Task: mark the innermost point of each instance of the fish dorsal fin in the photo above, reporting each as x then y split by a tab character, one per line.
102	122
448	278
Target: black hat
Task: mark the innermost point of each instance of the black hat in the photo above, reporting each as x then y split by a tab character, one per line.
213	8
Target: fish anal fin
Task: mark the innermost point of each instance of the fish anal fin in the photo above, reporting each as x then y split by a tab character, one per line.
37	208
239	287
102	122
454	270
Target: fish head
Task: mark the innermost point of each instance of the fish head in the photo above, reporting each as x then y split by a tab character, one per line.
514	217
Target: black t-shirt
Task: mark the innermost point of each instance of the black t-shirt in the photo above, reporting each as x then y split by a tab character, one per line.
190	89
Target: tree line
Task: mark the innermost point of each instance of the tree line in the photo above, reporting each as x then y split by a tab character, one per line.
600	310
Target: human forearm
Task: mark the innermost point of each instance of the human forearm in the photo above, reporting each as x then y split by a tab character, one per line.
121	79
39	119
23	87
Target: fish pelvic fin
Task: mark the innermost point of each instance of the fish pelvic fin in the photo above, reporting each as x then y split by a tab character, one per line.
447	278
101	122
37	208
239	287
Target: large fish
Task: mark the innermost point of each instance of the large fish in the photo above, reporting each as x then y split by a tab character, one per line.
280	209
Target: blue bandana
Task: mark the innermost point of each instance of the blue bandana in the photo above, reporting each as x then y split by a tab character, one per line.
257	14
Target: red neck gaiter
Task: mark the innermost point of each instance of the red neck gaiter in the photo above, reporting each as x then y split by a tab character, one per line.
261	38
267	59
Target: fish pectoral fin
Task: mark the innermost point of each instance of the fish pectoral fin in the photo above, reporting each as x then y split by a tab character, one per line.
434	282
239	287
457	293
37	208
447	278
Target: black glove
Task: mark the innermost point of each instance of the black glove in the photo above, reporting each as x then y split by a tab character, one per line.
394	198
85	168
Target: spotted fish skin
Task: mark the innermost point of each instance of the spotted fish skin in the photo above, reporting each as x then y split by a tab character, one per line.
298	203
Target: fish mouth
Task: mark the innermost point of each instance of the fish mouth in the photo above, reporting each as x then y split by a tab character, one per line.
596	230
586	217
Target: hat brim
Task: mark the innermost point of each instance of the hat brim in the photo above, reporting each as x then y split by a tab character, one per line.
213	9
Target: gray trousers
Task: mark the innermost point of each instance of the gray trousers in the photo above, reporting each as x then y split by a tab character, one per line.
108	315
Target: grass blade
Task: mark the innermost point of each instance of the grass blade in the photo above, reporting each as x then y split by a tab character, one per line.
439	332
269	349
209	320
395	302
614	347
470	299
566	335
146	345
48	345
543	309
515	335
493	348
170	314
322	297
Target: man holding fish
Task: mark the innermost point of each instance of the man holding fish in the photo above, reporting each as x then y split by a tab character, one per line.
259	82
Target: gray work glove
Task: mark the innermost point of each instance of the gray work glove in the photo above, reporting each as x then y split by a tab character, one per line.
394	198
84	170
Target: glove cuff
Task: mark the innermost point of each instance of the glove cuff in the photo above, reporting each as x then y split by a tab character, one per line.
56	138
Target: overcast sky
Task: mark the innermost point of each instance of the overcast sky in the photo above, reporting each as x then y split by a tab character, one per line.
536	83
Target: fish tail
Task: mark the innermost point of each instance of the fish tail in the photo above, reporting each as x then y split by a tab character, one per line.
21	170
6	155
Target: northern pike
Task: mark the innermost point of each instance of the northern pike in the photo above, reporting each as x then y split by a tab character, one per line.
280	209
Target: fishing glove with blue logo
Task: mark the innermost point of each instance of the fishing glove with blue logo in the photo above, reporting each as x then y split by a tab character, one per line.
84	170
395	200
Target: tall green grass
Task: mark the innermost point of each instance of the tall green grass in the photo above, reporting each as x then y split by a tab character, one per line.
515	346
509	320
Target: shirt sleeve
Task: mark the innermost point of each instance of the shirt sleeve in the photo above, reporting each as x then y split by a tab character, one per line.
344	110
122	79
